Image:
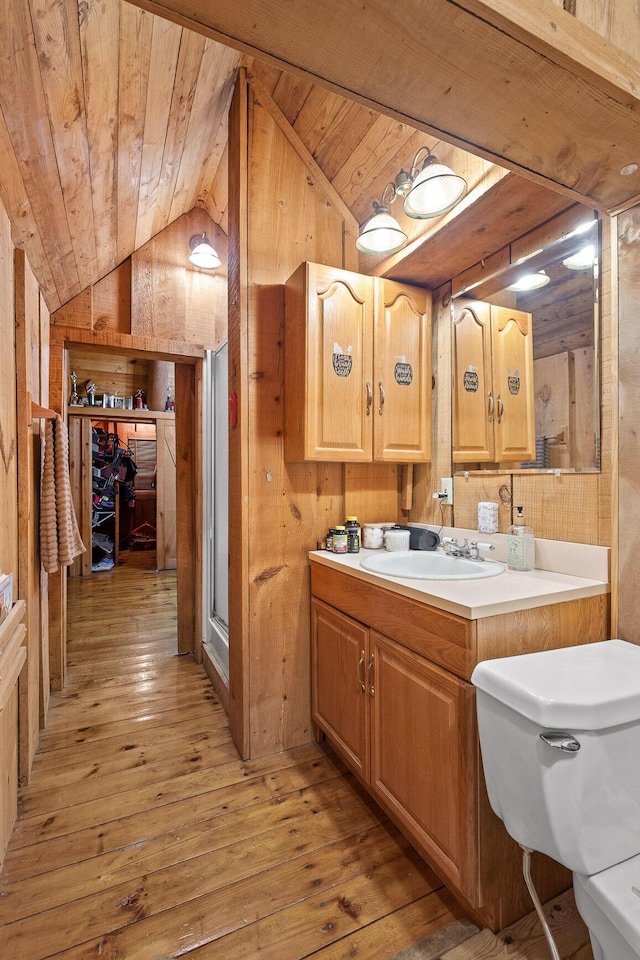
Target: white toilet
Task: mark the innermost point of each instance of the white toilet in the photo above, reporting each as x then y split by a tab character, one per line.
560	741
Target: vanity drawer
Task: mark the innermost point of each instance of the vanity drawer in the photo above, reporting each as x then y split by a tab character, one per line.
442	637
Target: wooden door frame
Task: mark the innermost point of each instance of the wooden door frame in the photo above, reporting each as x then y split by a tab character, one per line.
188	366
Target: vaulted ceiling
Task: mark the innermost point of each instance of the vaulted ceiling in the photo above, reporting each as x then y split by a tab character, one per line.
113	123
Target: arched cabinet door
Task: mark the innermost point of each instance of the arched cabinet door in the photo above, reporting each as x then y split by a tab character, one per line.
357	368
402	374
329	364
473	397
493	404
515	427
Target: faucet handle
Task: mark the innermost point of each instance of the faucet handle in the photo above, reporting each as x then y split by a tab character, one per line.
474	551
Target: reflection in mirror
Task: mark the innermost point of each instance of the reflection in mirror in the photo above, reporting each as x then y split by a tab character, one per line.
555	289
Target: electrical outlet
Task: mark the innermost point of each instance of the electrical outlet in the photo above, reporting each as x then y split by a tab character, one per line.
446	486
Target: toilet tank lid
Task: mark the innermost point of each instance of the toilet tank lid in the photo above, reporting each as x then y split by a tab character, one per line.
588	687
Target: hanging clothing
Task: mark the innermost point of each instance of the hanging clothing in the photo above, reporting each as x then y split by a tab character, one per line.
60	541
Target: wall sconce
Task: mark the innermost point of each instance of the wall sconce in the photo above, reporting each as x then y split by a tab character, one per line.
429	189
582	260
202	253
382	233
530	281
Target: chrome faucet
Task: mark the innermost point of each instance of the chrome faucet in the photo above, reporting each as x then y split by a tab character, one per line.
467	551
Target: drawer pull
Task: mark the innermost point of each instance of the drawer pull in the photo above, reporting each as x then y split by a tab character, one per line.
370	676
361	671
369	398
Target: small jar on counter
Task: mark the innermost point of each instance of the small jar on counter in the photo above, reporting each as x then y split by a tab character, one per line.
328	540
339	539
373	535
353	535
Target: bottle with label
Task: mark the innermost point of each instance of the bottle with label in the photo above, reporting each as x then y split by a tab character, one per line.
520	544
353	535
339	539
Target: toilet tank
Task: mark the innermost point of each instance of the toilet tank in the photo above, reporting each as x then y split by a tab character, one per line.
581	808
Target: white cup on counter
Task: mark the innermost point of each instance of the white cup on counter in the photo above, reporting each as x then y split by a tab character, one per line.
397	539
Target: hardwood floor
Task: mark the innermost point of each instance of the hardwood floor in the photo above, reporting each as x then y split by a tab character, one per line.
142	836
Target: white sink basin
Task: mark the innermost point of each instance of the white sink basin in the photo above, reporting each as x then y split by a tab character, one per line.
430	565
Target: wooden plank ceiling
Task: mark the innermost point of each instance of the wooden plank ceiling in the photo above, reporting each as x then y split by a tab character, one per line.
113	123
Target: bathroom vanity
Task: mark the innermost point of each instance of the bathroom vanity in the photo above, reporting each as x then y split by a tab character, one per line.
391	665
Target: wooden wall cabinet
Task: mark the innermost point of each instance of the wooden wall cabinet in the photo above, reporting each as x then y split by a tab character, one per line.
357	368
493	399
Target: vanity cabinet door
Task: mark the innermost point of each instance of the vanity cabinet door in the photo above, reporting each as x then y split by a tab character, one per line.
402	374
423	756
340	652
328	364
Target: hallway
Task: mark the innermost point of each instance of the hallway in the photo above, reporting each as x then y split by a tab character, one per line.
142	836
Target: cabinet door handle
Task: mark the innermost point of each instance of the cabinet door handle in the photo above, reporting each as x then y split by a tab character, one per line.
381	388
491	407
369	398
370	676
361	671
500	409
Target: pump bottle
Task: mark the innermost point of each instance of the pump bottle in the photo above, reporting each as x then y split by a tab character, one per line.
520	544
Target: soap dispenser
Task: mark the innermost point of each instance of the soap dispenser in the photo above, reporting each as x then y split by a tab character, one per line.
520	544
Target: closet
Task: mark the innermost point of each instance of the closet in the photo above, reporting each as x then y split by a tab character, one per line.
122	459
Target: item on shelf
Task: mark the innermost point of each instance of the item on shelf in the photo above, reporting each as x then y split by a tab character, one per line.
339	539
353	535
488	517
138	401
143	537
373	535
398	538
520	544
90	389
74	399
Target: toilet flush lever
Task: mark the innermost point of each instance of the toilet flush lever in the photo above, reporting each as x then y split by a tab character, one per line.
561	741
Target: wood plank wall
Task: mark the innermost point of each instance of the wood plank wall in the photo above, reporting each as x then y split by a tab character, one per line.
29	351
8	434
278	510
628	561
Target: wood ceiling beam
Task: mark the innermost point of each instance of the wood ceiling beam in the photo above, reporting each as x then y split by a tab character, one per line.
521	83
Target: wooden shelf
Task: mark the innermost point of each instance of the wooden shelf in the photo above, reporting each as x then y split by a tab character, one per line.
9	624
116	414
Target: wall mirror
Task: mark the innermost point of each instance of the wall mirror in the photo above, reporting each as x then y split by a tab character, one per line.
538	349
